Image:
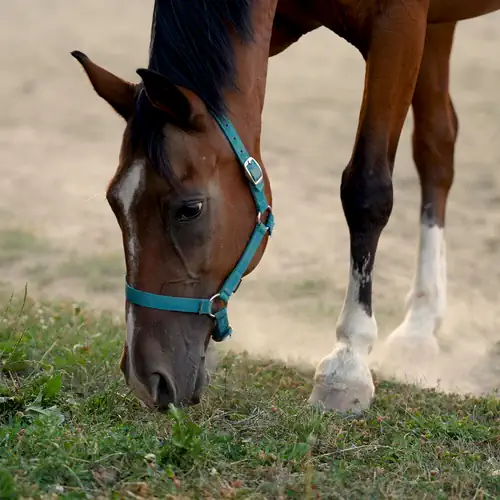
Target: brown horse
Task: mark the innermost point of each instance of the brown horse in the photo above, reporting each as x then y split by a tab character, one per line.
186	211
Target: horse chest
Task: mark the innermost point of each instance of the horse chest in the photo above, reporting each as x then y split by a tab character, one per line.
349	19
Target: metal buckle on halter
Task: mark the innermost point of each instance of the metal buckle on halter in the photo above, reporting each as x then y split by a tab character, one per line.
249	173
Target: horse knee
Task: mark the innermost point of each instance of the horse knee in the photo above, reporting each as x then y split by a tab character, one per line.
367	197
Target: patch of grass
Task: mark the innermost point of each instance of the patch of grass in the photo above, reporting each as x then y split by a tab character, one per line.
102	273
70	429
16	244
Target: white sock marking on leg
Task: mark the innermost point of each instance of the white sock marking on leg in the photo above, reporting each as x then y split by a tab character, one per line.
355	327
343	380
426	302
129	189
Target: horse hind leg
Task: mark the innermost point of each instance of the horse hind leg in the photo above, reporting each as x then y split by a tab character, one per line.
343	380
434	136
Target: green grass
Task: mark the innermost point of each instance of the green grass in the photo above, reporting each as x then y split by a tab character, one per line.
70	429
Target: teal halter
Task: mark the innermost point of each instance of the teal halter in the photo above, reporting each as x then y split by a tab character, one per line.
255	177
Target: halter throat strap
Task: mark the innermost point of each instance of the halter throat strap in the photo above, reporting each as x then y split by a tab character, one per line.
206	306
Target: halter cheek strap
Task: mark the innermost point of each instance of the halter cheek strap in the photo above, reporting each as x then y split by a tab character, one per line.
255	177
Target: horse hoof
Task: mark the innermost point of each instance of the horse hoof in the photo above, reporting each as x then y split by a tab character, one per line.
343	383
353	400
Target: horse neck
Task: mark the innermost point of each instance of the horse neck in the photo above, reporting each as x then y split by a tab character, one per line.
246	103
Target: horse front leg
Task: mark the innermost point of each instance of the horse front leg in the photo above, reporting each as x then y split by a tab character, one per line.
343	379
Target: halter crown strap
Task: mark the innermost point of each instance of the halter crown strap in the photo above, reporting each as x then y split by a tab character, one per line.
255	177
252	169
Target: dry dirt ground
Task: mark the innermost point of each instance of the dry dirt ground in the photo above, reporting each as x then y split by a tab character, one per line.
59	146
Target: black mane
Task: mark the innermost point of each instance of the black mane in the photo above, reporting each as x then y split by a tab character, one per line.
191	46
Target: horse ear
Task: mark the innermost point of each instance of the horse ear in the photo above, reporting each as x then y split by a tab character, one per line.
183	107
118	93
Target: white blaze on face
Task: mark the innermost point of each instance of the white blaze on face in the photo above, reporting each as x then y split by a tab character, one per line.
128	191
130	335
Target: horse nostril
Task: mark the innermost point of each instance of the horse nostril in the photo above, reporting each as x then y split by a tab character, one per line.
162	390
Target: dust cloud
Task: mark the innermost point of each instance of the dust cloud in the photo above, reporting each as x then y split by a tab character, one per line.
59	146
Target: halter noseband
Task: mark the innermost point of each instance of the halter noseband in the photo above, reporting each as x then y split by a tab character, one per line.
255	177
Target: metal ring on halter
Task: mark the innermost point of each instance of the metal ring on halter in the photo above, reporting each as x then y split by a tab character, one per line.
212	300
268	210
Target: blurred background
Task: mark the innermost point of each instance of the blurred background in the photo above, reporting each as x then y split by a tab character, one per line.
59	147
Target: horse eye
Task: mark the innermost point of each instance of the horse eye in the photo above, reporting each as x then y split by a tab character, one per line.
189	211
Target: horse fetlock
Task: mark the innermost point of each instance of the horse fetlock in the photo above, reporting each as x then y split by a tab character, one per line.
343	381
407	350
414	339
357	329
